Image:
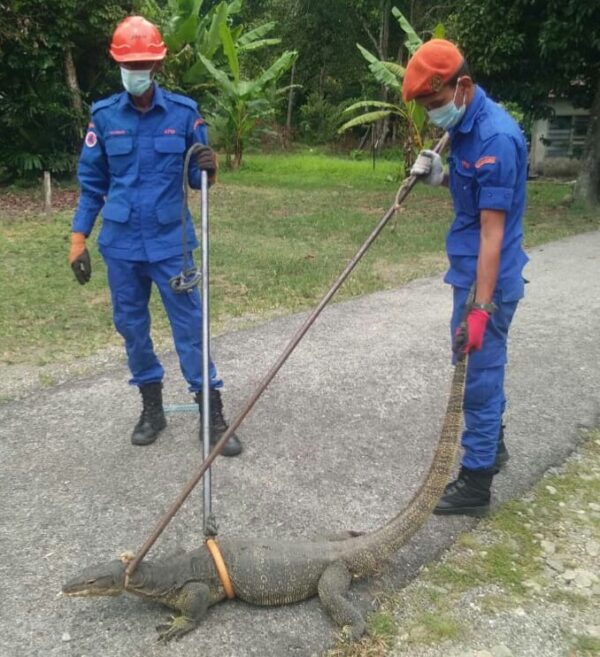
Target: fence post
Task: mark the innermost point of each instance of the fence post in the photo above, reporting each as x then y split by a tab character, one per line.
47	187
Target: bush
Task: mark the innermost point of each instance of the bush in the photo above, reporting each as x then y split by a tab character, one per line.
320	119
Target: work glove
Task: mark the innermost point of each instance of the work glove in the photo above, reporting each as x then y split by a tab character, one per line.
79	258
428	168
476	324
206	159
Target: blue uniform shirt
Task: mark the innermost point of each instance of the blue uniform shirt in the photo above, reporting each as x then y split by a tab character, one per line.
131	168
488	171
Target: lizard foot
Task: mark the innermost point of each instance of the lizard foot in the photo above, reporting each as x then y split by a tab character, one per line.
178	626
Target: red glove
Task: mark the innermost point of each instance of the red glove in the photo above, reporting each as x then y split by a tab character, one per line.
477	320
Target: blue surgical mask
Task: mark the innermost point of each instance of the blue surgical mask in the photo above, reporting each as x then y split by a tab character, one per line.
136	82
448	115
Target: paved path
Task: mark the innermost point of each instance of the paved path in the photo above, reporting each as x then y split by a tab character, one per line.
340	440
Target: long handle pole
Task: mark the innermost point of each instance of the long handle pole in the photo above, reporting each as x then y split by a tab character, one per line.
402	193
207	494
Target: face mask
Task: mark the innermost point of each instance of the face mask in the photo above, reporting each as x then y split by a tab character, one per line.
136	82
447	116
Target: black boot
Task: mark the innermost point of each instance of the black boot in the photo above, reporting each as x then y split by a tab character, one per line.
218	426
468	495
502	454
152	420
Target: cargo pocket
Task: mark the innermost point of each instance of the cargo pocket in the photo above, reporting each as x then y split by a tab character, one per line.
119	152
114	229
169	213
116	211
169	150
464	188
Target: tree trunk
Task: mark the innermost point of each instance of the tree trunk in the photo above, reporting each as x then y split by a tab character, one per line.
73	86
384	39
290	107
237	156
587	188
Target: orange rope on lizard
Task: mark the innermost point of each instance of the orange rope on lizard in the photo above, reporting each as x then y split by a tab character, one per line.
222	572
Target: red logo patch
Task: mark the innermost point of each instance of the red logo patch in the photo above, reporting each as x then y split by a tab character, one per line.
90	139
198	122
486	159
169	131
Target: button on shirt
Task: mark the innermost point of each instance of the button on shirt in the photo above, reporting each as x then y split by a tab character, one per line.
488	171
131	169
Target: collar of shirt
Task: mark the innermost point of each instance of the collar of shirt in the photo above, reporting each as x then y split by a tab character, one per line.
473	109
158	99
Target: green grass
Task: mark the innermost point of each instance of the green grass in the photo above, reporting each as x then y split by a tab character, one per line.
282	229
497	558
587	646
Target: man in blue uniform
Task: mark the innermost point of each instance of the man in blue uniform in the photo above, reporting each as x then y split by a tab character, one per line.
487	180
131	168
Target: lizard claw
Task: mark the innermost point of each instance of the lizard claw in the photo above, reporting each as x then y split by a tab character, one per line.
178	626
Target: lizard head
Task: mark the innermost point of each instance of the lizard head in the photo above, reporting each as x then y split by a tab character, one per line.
104	579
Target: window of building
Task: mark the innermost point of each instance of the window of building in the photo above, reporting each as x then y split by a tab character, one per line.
566	136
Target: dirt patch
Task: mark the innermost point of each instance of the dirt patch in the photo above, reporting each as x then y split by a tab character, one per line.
23	203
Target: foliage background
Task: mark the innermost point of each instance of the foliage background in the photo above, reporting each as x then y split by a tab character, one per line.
54	62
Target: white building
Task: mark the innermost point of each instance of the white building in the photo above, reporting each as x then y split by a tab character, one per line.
561	136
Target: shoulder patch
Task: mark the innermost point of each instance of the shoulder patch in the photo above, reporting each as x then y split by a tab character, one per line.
198	122
486	159
90	139
105	102
181	100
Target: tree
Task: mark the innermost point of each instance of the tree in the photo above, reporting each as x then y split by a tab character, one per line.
207	54
390	75
527	50
52	64
240	104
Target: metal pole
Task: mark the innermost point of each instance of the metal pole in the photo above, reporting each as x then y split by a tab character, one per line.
207	496
402	193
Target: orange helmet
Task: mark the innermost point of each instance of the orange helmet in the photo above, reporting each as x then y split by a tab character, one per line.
137	40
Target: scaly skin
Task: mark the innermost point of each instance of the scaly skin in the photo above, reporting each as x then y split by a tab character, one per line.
275	572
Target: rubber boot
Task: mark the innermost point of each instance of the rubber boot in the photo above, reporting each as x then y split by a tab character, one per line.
152	420
502	454
468	495
218	426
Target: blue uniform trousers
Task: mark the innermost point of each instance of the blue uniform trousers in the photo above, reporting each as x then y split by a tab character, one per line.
484	400
130	285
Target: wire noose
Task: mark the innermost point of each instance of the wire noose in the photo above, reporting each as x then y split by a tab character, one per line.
190	275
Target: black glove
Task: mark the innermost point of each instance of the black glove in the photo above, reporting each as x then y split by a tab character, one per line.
206	159
82	267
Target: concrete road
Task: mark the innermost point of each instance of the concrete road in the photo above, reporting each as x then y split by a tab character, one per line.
340	440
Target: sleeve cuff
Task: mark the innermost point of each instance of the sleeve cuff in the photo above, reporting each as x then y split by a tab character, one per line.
83	221
495	198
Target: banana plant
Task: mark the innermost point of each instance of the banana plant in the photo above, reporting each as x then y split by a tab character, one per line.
391	75
240	104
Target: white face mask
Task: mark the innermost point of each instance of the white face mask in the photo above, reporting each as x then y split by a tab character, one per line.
136	82
448	115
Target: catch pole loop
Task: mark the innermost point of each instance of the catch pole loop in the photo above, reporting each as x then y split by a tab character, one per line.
190	275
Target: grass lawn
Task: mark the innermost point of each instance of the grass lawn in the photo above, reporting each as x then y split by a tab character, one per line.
282	230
